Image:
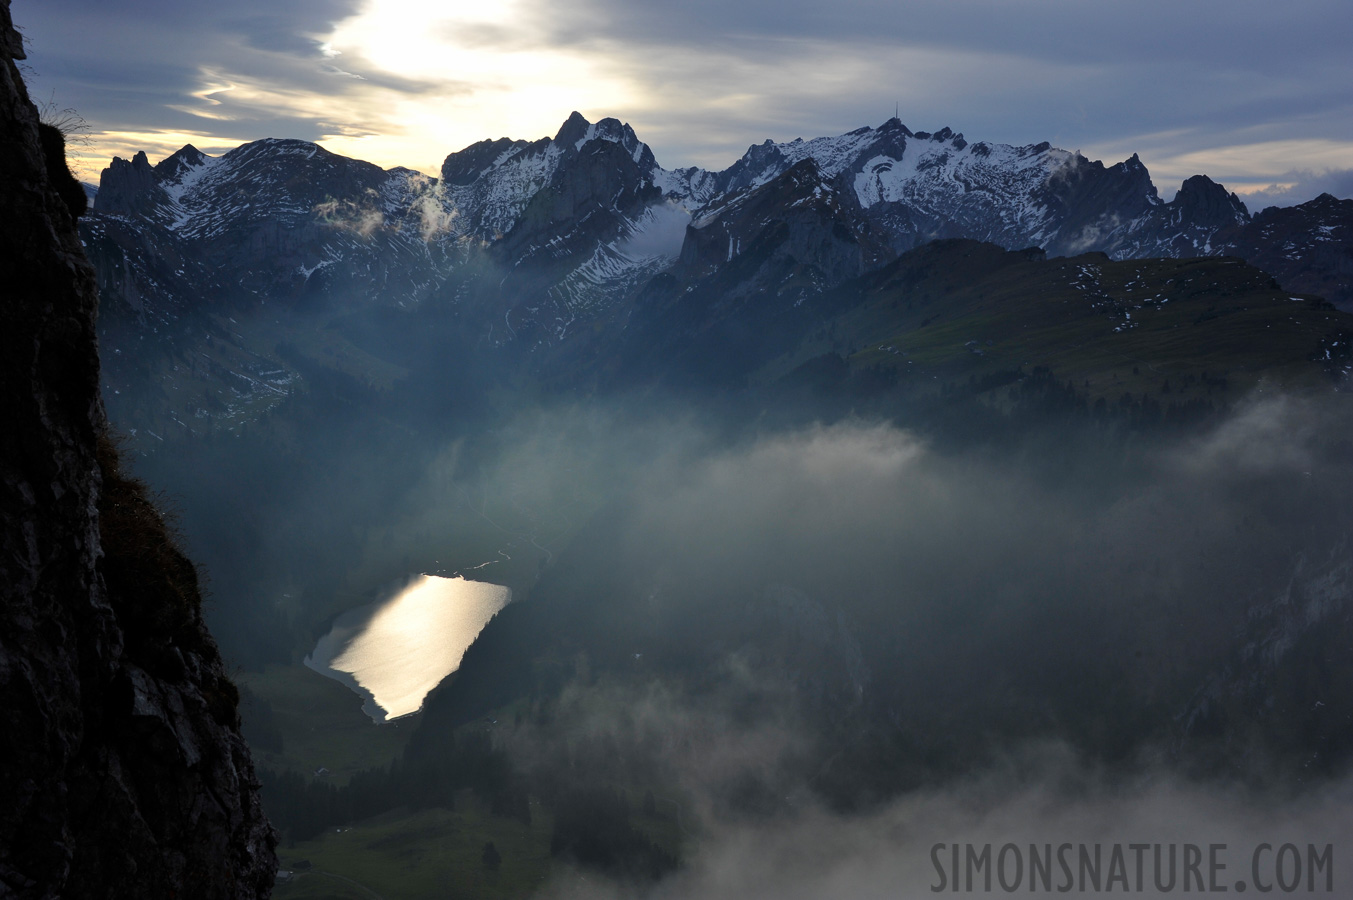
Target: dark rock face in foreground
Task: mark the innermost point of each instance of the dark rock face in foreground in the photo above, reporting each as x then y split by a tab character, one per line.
122	769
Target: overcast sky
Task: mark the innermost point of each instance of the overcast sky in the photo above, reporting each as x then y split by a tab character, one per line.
1255	93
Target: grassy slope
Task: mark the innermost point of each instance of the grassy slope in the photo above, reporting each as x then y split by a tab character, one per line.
429	853
1088	319
322	724
439	852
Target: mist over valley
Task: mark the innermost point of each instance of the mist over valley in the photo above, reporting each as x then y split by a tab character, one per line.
816	522
578	527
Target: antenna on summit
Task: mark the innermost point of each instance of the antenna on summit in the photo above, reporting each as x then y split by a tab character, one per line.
897	110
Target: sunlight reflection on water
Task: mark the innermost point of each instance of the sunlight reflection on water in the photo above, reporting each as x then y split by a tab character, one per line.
395	651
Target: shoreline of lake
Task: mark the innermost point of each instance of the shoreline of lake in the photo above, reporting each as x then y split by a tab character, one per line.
392	652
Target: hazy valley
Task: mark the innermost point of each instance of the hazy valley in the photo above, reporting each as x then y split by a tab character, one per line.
876	491
808	500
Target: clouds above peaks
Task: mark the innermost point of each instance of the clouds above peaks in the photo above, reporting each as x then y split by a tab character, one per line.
406	81
1300	186
232	72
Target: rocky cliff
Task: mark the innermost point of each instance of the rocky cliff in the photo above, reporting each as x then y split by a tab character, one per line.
123	770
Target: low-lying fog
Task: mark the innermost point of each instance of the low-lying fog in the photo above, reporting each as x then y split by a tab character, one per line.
834	646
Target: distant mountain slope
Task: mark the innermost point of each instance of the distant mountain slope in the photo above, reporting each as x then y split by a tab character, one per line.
556	246
1171	330
283	220
571	219
1308	248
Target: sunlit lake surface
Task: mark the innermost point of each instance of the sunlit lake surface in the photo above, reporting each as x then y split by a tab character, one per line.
395	651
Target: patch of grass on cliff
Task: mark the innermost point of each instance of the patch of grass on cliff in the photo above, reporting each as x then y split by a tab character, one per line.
152	586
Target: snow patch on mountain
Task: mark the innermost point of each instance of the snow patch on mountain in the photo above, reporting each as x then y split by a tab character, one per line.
930	173
599	282
833	155
494	201
182	189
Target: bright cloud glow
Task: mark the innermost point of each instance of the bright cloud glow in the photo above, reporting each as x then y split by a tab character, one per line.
501	79
1244	167
1247	94
1264	160
88	159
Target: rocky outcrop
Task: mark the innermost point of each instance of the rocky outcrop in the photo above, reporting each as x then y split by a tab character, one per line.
130	187
1192	224
1308	248
465	167
588	200
125	774
799	215
280	221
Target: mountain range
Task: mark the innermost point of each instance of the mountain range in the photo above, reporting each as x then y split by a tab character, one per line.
550	247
